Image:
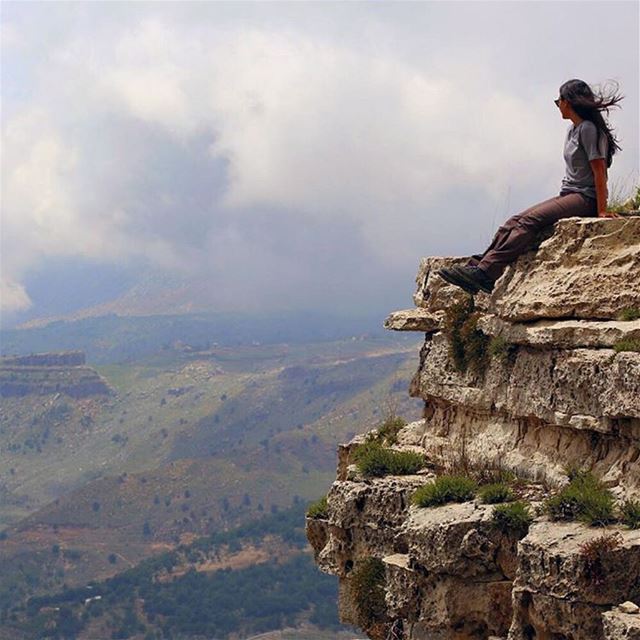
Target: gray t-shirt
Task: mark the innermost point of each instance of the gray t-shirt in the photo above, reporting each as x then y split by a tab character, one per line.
581	146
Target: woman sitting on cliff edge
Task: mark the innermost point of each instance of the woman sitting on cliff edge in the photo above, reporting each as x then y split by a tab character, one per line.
588	152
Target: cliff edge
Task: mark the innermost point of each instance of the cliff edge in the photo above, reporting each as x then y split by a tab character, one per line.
50	373
532	398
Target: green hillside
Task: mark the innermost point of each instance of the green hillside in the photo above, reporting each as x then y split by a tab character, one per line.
190	444
203	589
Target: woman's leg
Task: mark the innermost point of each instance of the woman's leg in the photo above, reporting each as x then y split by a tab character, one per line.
503	231
518	234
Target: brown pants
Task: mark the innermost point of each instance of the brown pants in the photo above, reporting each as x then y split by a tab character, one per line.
518	234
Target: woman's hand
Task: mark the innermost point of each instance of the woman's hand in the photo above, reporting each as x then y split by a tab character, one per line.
608	214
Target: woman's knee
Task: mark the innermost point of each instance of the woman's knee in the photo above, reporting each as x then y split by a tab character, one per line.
533	218
538	210
511	222
534	221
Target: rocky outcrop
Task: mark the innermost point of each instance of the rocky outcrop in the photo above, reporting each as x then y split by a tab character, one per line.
544	377
621	625
48	373
561	393
54	359
559	593
414	320
588	269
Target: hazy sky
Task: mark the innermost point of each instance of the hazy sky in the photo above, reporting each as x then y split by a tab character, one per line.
289	154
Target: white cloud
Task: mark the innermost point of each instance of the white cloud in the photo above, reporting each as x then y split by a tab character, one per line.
10	36
13	295
42	215
322	128
308	124
38	215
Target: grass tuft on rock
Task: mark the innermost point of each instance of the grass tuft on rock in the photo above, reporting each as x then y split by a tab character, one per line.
387	432
625	203
490	474
495	493
372	459
585	498
627	344
632	313
630	513
318	509
367	587
445	489
572	471
468	346
502	350
595	553
624	199
513	518
455	317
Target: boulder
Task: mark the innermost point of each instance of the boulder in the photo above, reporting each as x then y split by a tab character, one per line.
618	625
589	268
414	320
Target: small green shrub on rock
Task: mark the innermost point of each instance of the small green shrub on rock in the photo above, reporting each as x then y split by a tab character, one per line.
445	489
585	498
489	474
627	344
595	553
387	432
455	317
495	493
476	345
572	471
502	350
630	314
630	513
367	588
318	509
468	346
620	203
372	459
513	518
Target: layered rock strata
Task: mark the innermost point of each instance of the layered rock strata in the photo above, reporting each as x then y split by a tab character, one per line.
47	373
558	388
52	359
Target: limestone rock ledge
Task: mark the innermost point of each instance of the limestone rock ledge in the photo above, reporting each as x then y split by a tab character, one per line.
560	387
565	390
588	268
451	574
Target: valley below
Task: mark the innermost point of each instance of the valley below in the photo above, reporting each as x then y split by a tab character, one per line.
130	487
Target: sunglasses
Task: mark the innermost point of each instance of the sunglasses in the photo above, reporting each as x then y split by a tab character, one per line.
557	101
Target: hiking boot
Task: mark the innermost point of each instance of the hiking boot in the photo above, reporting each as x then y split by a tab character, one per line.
452	277
475	277
474	260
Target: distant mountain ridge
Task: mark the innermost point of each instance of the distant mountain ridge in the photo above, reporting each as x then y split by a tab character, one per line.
114	338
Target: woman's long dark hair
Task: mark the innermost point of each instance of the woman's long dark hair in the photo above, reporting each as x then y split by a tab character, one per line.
589	104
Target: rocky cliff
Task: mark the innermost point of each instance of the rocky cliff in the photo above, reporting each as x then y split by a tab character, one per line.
48	373
535	387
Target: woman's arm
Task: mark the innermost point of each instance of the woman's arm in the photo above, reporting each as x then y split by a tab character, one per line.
600	178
